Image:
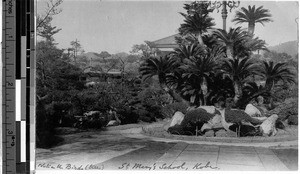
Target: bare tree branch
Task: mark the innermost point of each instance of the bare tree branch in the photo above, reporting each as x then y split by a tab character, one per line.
50	11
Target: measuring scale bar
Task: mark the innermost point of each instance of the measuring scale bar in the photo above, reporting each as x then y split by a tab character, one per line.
18	88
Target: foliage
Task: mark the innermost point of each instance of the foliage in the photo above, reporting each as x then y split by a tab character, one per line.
145	50
104	54
238	70
192	120
157	66
238	116
277	57
284	91
198	72
196	116
232	40
196	24
45	134
198	69
96	120
251	16
275	72
287	110
197	20
220	86
44	27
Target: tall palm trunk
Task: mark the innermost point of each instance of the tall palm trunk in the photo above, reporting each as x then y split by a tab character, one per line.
204	90
237	91
269	85
229	51
251	27
200	40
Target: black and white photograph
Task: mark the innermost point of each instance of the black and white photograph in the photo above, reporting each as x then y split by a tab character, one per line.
169	86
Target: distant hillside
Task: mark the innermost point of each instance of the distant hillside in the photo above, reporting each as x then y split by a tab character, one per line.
290	48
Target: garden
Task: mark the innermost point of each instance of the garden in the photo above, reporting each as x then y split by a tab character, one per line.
215	80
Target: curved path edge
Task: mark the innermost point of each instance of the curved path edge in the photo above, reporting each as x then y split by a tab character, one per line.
138	132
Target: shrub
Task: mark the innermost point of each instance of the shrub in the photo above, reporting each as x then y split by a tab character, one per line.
45	128
58	111
288	108
293	120
284	91
182	130
92	120
196	117
127	115
238	116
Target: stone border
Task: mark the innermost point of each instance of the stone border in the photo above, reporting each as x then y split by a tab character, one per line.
151	130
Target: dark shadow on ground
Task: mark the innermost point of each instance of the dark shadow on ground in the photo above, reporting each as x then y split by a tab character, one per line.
289	157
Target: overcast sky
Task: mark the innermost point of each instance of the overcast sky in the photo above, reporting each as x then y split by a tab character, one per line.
117	26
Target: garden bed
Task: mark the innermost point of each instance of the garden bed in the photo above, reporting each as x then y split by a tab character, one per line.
289	134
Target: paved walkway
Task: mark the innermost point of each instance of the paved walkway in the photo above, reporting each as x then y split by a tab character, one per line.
129	150
184	156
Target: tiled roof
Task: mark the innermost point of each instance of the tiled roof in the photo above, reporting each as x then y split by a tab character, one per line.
167	42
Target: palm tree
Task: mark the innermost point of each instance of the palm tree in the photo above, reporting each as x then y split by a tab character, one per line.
238	70
275	72
161	67
221	86
231	39
198	72
252	16
252	90
197	22
186	40
187	51
256	44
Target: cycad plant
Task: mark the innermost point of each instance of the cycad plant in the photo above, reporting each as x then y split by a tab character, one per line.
187	51
160	67
238	70
251	16
231	39
197	20
276	72
198	72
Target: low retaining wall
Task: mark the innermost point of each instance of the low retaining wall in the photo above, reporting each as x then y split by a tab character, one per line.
158	131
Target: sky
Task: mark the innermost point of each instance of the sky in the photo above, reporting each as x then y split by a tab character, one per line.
115	26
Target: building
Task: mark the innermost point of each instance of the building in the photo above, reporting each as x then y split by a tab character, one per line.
166	45
91	75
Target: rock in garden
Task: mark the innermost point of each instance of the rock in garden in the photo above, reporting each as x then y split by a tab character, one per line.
252	111
267	128
221	133
209	109
92	113
113	123
209	133
167	125
213	123
177	119
244	130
